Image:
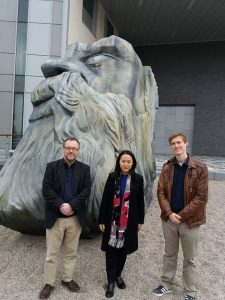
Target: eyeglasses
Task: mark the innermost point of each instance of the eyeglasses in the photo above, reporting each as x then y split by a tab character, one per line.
71	149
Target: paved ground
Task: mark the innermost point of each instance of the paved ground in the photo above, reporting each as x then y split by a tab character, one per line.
22	257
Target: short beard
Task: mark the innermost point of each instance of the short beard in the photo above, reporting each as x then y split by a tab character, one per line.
69	160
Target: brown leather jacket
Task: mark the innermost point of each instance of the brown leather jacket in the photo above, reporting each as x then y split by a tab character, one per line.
195	192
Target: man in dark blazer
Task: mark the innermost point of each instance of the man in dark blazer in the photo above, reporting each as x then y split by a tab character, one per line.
66	188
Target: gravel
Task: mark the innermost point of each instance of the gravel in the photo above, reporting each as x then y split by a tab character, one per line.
22	261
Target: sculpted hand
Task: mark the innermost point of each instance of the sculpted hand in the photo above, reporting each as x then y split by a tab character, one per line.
139	227
174	218
66	209
102	227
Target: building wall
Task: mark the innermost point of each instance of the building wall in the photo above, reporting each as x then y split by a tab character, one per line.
46	30
8	17
78	31
43	40
44	35
193	74
170	119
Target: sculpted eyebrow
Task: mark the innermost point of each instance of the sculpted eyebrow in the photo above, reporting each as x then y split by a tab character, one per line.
84	59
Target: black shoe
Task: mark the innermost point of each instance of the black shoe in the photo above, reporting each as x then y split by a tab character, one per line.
110	290
71	285
120	283
46	292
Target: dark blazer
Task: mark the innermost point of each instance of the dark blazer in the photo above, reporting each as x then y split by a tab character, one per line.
53	190
136	212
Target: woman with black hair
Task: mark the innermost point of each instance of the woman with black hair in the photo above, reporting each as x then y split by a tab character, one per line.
121	215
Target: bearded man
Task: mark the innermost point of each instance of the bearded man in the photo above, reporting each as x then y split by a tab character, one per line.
66	188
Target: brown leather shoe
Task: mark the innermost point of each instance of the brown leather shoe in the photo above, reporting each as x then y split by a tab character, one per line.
46	291
71	285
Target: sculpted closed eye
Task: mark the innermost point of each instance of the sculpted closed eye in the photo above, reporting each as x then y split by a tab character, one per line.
99	60
94	65
104	96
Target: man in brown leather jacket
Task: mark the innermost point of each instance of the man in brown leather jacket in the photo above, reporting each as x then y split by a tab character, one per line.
182	194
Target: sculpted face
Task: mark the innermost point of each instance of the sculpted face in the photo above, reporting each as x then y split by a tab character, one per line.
101	94
109	65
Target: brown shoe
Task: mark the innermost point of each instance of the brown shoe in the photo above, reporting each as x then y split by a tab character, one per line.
46	291
71	285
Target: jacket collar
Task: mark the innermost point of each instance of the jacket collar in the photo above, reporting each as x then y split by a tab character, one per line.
191	161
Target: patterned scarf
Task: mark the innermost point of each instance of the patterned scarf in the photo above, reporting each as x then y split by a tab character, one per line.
120	214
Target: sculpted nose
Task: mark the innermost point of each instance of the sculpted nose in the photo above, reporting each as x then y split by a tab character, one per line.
54	67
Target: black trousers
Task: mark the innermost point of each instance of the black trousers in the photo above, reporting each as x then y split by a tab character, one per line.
115	261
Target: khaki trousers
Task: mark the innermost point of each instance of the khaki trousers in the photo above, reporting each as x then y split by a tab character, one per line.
65	232
189	240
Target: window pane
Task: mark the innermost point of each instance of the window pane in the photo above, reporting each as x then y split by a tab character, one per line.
108	27
89	6
23	10
89	14
17	119
87	20
21	45
19	84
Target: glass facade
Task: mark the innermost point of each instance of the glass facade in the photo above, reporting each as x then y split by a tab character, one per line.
17	118
21	45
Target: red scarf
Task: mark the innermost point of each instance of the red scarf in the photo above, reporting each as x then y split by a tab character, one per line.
120	214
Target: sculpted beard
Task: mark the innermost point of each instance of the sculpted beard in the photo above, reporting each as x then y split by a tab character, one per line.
68	103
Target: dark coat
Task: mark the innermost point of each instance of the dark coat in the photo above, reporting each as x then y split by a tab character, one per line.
53	190
136	212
